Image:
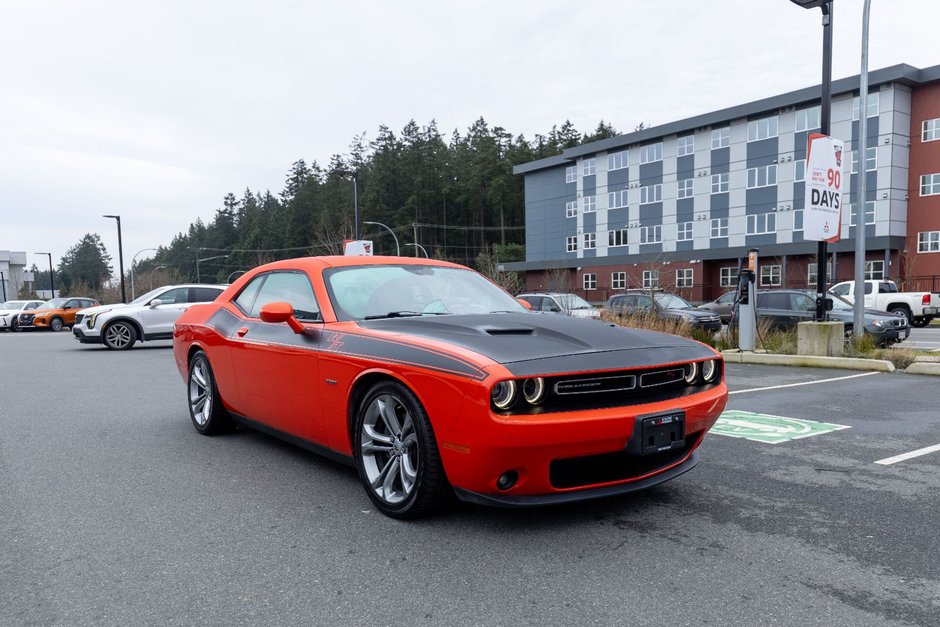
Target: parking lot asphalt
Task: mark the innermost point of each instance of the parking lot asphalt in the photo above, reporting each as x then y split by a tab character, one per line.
926	339
113	510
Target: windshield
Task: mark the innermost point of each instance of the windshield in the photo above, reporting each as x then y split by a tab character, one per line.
12	304
572	301
670	301
360	292
149	296
55	303
840	303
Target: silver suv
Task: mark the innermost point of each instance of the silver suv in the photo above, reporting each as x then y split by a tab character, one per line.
565	304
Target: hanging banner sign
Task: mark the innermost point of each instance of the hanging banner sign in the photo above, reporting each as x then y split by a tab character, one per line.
358	248
822	212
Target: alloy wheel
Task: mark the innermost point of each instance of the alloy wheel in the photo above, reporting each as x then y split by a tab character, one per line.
389	447
118	336
200	391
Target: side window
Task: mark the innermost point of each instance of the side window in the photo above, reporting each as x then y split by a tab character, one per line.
290	287
246	299
72	304
868	288
204	294
841	290
727	299
776	301
644	302
176	295
535	301
802	302
549	304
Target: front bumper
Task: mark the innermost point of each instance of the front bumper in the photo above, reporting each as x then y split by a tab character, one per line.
79	334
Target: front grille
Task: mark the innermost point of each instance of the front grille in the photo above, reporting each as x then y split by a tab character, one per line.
595	385
27	318
594	469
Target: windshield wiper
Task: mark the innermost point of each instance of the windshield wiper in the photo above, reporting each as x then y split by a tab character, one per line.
406	314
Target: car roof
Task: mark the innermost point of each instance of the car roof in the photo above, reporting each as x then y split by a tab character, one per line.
338	261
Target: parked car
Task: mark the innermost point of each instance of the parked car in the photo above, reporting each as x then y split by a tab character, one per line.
918	307
723	306
662	305
149	317
559	303
10	311
785	308
54	314
428	378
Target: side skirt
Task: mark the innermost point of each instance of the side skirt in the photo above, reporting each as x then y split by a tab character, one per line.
323	451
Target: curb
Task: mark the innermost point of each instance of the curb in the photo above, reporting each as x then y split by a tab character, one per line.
924	367
813	361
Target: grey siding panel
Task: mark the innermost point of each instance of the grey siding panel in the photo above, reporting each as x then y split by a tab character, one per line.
799	144
871	130
588	185
685	245
651	249
651	213
719	206
590	222
685	167
760	240
651	173
588	254
869	232
617	217
763	152
684	209
618	178
721	160
799	195
761	200
718	243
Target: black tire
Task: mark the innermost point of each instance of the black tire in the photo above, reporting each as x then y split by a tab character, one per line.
410	449
920	323
119	335
14	325
56	324
205	405
900	309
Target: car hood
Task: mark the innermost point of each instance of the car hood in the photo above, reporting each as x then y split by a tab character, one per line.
99	308
5	312
531	345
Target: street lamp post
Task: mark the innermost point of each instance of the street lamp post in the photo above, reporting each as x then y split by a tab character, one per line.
133	262
397	247
419	247
205	259
151	274
51	279
355	177
120	257
861	147
824	114
236	273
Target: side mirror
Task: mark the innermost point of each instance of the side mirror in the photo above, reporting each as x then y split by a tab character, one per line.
281	312
524	303
156	302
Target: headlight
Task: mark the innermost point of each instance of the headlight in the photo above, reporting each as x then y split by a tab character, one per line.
877	323
691	372
503	394
94	317
533	390
709	370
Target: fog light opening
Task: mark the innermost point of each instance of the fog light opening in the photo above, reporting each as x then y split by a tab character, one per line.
507	480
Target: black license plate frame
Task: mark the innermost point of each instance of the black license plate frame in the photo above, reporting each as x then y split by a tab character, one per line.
662	432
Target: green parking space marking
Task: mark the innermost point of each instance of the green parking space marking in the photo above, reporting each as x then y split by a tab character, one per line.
769	429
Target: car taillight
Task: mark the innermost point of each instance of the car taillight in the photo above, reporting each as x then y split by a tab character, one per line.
925	300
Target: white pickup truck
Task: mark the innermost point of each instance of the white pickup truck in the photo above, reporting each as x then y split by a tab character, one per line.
919	307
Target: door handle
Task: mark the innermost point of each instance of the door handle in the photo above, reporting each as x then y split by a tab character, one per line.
242	331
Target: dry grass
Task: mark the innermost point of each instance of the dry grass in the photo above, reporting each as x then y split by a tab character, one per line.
651	322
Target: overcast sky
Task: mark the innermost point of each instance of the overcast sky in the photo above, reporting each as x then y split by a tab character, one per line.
155	111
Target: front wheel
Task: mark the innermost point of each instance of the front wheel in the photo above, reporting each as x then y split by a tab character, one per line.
56	324
205	405
119	336
396	453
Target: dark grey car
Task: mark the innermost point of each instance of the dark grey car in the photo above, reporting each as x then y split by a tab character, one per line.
663	305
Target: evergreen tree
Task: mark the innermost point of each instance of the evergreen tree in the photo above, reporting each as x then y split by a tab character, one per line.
87	262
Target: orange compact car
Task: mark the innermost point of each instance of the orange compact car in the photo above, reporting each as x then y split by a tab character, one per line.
54	314
429	379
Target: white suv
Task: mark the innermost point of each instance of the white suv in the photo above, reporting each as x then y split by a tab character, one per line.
149	317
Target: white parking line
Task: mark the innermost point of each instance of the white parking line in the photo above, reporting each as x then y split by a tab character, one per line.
904	456
793	385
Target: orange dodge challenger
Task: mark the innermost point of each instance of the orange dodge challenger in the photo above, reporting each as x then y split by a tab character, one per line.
428	378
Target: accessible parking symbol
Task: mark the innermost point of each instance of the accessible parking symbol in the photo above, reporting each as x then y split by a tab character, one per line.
769	429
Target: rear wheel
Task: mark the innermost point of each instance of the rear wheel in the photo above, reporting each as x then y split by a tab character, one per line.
119	336
14	325
205	406
56	324
920	323
397	455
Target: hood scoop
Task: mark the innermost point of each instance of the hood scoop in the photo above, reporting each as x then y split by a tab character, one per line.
500	331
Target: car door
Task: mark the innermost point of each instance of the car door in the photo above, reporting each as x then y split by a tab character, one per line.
774	308
869	296
803	307
277	370
724	305
158	319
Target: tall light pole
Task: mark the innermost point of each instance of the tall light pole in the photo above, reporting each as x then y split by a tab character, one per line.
133	262
861	147
236	273
419	247
120	257
397	247
51	279
355	177
151	274
205	259
824	113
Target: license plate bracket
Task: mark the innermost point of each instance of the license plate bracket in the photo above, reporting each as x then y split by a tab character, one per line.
662	432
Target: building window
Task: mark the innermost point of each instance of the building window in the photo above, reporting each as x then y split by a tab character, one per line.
872	106
721	137
761	223
931	130
617	238
589	203
651	279
871	160
571	244
617	160
685	145
727	277
770	275
930	184
719	227
651	193
720	183
807	119
928	242
683	231
571	209
571	174
590	241
798	220
684	188
799	170
589	281
762	129
811	273
589	166
651	234
684	277
618	280
616	200
874	270
651	153
869	213
762	177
